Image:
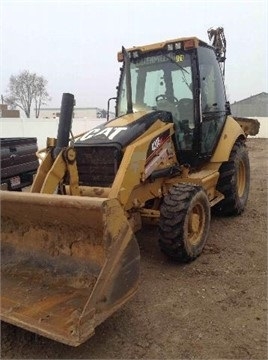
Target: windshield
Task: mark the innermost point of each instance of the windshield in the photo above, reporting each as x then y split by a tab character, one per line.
159	82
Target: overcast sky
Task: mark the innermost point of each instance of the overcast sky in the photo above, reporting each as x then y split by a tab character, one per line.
74	44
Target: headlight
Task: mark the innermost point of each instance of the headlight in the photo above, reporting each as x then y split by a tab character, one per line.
170	47
135	54
177	45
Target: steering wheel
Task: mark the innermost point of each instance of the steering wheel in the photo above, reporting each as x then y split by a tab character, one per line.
164	97
185	102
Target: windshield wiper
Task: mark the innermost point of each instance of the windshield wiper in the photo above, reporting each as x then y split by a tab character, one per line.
181	68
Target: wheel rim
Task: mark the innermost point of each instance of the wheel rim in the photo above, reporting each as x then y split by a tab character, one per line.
241	179
196	224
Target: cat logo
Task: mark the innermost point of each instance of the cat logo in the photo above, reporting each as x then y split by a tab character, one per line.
109	132
156	143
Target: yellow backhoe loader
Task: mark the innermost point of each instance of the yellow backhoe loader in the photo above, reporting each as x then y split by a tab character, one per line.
174	152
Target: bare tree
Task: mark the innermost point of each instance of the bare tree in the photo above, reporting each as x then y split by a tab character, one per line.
27	89
40	94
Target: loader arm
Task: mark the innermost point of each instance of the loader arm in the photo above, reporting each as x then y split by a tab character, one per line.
51	172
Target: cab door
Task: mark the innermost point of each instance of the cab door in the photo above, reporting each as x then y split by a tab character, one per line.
213	101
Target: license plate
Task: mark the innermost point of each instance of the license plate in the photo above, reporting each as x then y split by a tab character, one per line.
15	181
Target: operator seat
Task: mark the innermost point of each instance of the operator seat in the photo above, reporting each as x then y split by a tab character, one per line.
186	110
166	105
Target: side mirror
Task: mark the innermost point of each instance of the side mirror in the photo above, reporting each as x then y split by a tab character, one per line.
108	107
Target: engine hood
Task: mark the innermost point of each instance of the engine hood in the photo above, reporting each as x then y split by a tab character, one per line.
122	131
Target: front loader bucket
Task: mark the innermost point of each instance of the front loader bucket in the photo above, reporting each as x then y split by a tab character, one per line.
68	263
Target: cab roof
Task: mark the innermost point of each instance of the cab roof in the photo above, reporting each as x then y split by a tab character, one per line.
179	43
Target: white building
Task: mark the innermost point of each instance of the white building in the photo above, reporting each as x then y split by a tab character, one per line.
81	113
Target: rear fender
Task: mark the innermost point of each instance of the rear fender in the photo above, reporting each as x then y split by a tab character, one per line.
231	132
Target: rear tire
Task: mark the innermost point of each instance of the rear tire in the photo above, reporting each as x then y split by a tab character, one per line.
184	222
234	182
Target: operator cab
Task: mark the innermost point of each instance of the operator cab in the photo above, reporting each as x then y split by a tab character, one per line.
184	78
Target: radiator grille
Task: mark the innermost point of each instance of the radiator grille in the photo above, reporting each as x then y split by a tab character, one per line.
97	166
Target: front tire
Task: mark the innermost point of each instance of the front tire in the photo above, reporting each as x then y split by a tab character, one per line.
184	222
234	182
